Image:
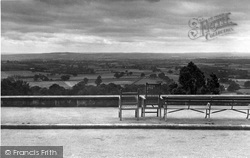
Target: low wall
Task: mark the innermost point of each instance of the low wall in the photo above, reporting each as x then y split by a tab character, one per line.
60	101
94	100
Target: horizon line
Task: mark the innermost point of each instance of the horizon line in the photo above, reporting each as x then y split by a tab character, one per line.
8	53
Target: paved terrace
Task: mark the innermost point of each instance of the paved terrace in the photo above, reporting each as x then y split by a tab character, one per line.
132	143
109	115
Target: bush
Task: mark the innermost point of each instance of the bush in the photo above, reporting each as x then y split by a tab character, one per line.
142	75
152	76
11	86
233	87
98	81
65	77
247	84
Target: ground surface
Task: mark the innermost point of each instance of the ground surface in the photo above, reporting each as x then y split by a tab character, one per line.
135	143
83	115
127	143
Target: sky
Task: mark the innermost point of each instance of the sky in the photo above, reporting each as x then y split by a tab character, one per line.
155	26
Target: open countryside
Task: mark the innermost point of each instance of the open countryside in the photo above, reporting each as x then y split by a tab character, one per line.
45	70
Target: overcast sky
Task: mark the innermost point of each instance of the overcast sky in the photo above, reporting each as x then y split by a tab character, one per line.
31	26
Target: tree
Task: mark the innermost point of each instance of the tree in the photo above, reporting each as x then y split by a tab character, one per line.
78	87
154	69
44	78
233	87
191	78
247	84
111	88
152	76
98	81
213	84
224	80
161	75
117	75
41	77
86	80
55	89
142	75
178	90
165	89
11	86
44	91
65	77
35	90
170	71
36	77
122	74
172	86
222	88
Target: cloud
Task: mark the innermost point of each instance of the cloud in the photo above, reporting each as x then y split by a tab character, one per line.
60	3
35	16
191	7
115	23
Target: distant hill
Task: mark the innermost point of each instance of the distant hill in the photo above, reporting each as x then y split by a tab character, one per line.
118	56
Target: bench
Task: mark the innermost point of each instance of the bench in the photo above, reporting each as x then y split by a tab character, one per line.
207	104
238	103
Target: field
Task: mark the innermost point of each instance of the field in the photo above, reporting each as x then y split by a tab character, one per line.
244	91
241	81
107	75
106	79
5	74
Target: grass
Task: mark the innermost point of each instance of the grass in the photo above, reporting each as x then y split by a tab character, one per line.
244	91
241	82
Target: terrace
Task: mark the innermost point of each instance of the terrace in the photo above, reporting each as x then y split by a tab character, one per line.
101	109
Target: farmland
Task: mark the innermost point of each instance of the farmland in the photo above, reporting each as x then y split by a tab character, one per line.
136	68
106	78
